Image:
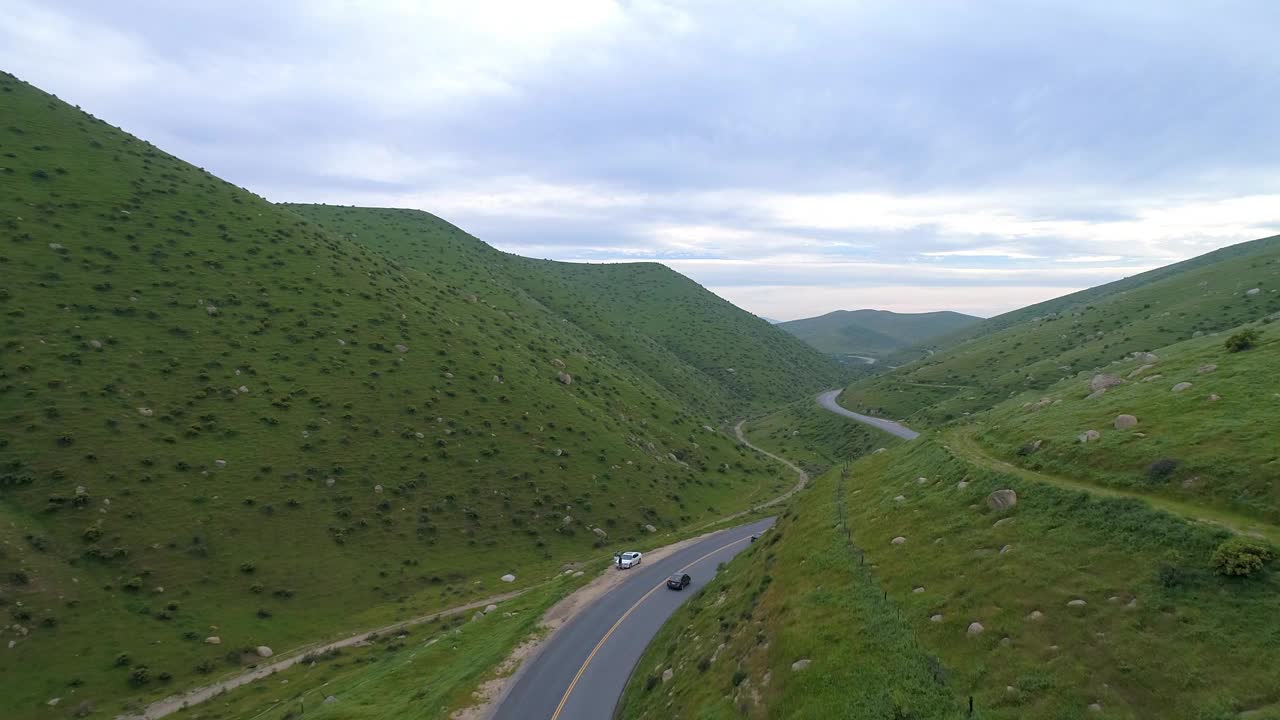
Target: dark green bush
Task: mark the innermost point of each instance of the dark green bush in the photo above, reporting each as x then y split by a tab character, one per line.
139	676
1243	340
1241	557
1161	469
1171	575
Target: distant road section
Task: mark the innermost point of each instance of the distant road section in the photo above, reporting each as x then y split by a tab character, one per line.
828	401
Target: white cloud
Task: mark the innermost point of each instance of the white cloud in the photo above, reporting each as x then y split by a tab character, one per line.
768	148
989	252
1088	259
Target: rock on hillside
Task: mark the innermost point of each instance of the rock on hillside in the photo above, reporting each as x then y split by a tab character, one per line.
1002	499
1103	381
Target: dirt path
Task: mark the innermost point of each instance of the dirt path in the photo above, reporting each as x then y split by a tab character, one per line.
804	479
175	703
804	476
962	443
494	689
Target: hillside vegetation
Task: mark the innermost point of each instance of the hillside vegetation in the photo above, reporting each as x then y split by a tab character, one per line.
656	322
875	333
226	426
1065	605
813	438
1035	347
1193	422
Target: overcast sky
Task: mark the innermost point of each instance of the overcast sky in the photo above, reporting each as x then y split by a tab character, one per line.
795	157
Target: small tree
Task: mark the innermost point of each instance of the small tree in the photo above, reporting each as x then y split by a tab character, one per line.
1241	557
1243	340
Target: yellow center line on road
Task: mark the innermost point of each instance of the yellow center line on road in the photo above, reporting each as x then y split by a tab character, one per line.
603	640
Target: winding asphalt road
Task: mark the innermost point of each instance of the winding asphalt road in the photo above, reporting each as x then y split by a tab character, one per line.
581	672
828	401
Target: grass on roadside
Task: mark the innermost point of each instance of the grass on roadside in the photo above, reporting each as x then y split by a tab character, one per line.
794	627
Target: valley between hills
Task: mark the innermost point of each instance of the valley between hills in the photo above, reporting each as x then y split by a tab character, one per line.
236	432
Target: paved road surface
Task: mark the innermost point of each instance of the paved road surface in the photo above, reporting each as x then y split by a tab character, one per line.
581	672
828	401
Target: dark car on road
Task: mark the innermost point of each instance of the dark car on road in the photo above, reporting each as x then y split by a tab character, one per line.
679	581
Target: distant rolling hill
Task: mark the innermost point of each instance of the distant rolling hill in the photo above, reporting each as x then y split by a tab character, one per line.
1034	347
875	333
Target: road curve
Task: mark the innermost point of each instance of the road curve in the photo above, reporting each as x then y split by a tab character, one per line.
581	672
828	401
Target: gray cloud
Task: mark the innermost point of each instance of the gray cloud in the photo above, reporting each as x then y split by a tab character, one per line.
848	148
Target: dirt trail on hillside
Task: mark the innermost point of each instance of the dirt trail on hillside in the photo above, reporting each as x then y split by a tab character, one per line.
804	476
804	479
175	703
962	444
494	690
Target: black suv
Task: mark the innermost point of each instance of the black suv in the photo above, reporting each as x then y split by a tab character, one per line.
679	581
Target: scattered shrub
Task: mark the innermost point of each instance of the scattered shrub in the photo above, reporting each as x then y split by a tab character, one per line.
1241	557
122	660
1171	575
1241	341
133	584
139	676
738	677
1161	469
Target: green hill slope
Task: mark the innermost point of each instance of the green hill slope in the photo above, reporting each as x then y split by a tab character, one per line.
221	419
1210	444
1065	605
657	322
875	332
1032	348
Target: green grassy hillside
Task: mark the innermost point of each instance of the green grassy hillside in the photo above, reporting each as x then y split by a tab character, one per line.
813	438
219	418
1033	348
1211	444
875	332
1080	601
658	323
